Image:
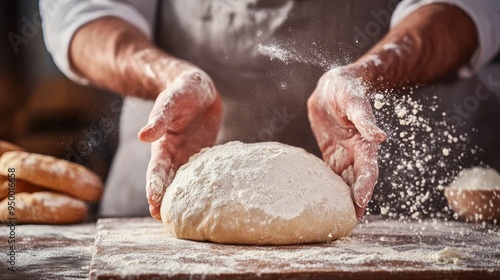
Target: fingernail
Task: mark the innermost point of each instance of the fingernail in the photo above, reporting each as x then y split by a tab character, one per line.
360	212
156	187
381	135
376	135
147	127
359	202
362	199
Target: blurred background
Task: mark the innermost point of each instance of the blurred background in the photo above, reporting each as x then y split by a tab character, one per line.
40	109
43	111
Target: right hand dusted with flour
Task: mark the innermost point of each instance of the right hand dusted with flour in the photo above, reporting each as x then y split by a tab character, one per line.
186	117
345	128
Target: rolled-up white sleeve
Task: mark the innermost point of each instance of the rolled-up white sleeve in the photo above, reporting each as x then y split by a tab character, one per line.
484	13
62	18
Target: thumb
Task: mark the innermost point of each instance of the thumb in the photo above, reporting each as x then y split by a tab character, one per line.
159	118
160	172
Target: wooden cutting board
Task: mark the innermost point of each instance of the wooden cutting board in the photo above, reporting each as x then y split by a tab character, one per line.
48	251
140	248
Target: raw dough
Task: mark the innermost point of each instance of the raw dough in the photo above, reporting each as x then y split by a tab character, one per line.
262	193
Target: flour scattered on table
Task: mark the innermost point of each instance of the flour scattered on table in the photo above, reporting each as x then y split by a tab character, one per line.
449	255
124	251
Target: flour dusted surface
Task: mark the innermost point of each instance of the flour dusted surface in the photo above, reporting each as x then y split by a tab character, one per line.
140	249
262	193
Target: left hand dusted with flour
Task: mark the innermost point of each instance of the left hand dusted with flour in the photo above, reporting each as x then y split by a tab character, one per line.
342	120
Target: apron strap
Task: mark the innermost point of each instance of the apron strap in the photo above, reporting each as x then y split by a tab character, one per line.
157	21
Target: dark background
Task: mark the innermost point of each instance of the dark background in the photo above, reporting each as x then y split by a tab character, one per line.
40	109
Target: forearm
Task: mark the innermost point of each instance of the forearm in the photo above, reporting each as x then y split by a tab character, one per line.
113	54
430	43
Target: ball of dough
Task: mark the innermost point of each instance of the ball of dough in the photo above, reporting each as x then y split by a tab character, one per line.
262	193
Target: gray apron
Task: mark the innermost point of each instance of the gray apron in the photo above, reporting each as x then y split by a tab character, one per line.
240	43
265	58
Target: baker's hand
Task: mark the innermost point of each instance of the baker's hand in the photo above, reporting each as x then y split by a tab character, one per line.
345	128
185	118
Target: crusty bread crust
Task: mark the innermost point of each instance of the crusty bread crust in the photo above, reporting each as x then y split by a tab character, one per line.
53	174
44	208
21	186
7	147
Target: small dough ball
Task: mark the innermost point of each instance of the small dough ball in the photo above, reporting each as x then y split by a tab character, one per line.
262	193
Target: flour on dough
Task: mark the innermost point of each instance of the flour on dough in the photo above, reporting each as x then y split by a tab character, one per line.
262	193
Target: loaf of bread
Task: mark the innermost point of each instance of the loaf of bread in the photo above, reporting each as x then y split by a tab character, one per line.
7	147
20	186
53	174
42	208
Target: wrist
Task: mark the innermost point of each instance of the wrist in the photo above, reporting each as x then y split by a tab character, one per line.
149	70
417	50
370	71
356	75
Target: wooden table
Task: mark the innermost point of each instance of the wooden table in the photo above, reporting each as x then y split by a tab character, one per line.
49	252
139	248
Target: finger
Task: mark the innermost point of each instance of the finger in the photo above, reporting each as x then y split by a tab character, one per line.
155	212
359	112
348	176
160	172
366	172
178	106
360	212
338	158
159	118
